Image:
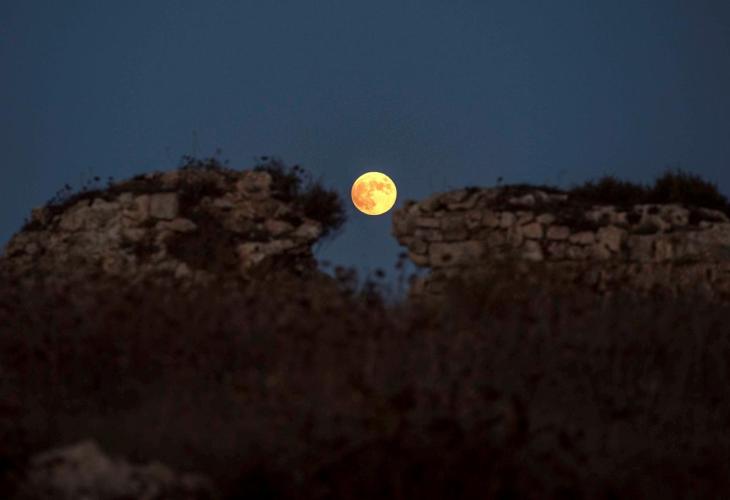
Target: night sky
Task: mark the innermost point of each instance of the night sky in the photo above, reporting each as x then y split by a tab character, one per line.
437	94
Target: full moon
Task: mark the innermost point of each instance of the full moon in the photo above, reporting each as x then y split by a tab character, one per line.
373	193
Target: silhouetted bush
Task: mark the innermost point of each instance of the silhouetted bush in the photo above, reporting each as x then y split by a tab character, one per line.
677	186
294	184
610	190
672	186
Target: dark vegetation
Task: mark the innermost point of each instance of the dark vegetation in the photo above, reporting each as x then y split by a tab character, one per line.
292	389
295	185
673	186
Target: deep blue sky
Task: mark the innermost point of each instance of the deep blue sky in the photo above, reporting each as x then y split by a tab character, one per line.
437	94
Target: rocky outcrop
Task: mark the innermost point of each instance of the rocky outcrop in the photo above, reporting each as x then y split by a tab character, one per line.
189	224
643	247
83	471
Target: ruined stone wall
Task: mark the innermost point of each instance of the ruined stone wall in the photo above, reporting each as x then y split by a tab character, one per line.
188	224
642	247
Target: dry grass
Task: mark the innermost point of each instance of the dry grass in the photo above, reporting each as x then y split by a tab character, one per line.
291	389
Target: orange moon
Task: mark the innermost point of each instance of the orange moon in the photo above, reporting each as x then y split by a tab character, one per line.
373	193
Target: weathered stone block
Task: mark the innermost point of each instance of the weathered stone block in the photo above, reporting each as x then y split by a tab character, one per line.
583	238
473	219
545	219
163	205
556	250
428	234
532	251
309	230
456	234
663	249
495	239
526	200
277	227
676	215
452	223
74	218
418	246
652	223
418	259
533	231
524	217
641	247
514	236
490	219
577	252
507	219
558	232
452	254
178	225
427	222
599	251
611	237
133	234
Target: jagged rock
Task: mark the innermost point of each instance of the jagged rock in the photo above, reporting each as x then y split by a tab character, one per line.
279	227
533	231
526	200
524	217
164	205
558	232
545	219
507	219
428	222
418	246
428	234
490	219
532	251
582	238
556	250
473	219
612	237
83	471
178	225
452	254
418	259
160	224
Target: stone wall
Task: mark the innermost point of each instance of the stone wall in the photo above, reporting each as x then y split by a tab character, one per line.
188	224
643	247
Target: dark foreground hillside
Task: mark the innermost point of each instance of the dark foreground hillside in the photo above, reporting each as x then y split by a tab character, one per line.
294	390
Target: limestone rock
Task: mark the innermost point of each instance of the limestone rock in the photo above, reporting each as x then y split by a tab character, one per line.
490	219
524	217
309	231
163	205
583	238
83	471
279	227
526	200
558	232
612	237
533	231
545	219
428	222
146	231
452	254
532	251
638	246
507	219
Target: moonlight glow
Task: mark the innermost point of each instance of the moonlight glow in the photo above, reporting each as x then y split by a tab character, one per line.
373	193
